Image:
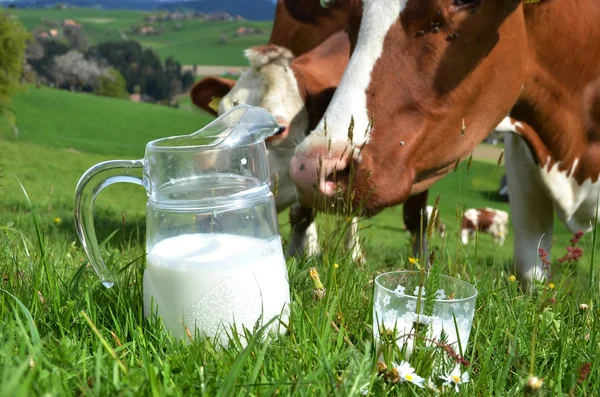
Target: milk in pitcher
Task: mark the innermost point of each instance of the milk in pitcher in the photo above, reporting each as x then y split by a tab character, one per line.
201	280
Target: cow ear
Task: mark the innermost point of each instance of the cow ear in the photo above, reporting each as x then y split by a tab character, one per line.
208	91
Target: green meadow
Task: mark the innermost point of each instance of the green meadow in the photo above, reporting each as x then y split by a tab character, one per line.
195	43
63	333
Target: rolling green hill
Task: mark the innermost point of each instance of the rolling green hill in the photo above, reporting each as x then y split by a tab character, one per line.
196	42
93	124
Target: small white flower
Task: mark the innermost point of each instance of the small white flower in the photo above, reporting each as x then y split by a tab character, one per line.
416	291
386	300
407	374
440	294
467	306
411	305
431	386
420	318
244	161
399	289
456	378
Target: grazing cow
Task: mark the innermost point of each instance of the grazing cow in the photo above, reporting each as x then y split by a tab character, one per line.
302	36
428	80
485	220
296	91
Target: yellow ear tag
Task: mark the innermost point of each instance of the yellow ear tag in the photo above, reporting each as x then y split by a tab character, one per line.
214	104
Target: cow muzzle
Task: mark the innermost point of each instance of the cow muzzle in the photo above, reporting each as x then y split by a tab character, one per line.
321	180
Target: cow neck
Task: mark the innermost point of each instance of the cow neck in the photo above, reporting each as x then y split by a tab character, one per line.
558	106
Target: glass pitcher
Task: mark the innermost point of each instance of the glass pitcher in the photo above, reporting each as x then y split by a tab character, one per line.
214	255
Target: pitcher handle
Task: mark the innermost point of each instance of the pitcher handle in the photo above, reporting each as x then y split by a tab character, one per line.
102	175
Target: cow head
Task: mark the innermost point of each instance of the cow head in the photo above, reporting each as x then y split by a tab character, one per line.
271	84
426	82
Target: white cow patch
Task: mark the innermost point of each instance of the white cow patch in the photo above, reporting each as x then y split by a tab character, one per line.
350	99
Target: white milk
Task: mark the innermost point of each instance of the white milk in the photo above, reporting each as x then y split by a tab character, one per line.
212	280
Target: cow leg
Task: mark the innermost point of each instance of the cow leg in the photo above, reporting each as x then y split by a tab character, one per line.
531	210
464	236
415	209
304	231
352	242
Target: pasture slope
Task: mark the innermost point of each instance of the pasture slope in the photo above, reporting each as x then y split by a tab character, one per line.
64	334
195	43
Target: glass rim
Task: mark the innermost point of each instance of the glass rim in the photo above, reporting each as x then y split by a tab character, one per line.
154	146
416	272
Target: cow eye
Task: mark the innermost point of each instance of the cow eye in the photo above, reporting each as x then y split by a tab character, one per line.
327	3
464	4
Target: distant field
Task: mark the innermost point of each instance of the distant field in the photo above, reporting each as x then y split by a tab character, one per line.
196	43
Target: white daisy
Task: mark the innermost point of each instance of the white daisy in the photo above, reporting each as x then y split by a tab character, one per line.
386	300
432	386
407	374
455	378
399	289
420	318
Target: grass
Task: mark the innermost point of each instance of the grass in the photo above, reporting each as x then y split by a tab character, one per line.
63	333
196	43
93	124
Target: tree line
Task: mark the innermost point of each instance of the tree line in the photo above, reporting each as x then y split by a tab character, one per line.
115	69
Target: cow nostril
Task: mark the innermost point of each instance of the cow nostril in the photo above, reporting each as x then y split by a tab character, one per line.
281	129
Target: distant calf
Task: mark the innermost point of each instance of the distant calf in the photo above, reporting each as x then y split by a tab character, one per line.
486	220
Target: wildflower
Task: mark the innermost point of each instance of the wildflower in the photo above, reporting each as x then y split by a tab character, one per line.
573	254
318	288
544	258
392	376
421	319
432	386
413	261
57	220
584	307
512	278
456	378
533	384
381	367
335	265
576	237
407	374
551	285
583	372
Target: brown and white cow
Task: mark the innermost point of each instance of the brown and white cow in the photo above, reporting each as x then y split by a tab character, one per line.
296	91
427	81
485	220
